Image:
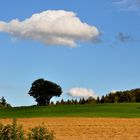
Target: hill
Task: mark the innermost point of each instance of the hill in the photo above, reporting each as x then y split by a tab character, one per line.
120	110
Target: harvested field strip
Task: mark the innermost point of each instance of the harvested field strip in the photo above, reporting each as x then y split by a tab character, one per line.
86	128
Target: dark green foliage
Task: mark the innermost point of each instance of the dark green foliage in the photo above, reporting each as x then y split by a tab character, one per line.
82	101
43	90
3	103
90	100
40	133
67	102
122	96
62	102
11	132
102	99
98	100
16	132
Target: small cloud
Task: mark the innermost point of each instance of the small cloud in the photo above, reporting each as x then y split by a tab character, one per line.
128	5
121	38
81	92
14	39
124	38
52	27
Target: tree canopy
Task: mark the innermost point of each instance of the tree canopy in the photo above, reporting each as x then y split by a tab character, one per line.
122	96
43	90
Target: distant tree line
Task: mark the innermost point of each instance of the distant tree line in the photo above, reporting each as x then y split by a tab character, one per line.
89	100
122	96
127	96
3	103
43	90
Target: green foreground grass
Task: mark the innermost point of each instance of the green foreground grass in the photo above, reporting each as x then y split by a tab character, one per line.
120	110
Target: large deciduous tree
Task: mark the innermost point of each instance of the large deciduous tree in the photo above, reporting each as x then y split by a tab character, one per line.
43	90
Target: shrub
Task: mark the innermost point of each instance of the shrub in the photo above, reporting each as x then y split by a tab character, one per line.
40	133
16	132
11	132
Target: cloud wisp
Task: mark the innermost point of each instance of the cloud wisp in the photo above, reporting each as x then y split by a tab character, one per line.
124	38
128	5
52	27
81	92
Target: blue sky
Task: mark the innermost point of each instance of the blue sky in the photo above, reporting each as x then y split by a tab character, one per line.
109	63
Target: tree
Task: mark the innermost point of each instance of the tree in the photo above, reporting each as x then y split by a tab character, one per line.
52	103
82	101
102	99
68	102
98	100
62	102
90	100
3	101
43	90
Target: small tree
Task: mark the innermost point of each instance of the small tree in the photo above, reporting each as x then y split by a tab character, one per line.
43	90
102	99
82	101
3	101
62	102
90	100
98	100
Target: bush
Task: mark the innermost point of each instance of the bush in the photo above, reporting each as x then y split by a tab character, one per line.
11	132
16	132
40	133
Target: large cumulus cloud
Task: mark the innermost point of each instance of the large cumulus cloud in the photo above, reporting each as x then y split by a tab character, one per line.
55	27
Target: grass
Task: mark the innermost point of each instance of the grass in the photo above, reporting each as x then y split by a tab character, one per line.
120	110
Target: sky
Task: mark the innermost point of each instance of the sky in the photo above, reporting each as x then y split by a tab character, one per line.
88	47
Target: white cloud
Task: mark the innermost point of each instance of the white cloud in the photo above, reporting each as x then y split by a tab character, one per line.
81	92
128	5
52	27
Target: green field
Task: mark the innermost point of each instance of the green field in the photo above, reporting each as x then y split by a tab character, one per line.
120	110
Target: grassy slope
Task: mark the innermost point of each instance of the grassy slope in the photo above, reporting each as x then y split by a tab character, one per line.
125	110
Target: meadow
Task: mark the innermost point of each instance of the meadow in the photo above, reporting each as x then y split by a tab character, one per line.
116	110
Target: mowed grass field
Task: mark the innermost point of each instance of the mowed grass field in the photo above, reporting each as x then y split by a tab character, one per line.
118	110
